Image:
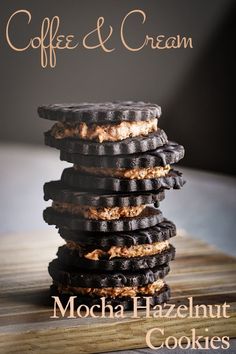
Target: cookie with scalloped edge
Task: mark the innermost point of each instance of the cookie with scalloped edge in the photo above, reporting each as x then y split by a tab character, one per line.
107	112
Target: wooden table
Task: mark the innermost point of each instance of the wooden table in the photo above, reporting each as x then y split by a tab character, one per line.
205	208
25	325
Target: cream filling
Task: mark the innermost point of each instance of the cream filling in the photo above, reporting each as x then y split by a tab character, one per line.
149	289
108	132
98	213
126	252
134	173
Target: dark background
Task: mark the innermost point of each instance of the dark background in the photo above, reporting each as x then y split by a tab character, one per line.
193	86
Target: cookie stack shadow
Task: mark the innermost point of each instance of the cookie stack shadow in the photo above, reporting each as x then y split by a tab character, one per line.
106	207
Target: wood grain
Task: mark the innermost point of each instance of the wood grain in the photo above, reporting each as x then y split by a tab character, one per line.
199	270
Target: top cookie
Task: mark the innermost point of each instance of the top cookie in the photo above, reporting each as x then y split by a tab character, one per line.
108	112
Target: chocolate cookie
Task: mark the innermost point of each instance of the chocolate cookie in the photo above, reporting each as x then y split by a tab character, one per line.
159	297
127	146
108	112
99	279
72	259
170	153
158	233
73	178
149	217
57	190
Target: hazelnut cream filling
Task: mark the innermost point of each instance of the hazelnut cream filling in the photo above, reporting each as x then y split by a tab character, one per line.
149	289
98	213
115	251
134	173
108	132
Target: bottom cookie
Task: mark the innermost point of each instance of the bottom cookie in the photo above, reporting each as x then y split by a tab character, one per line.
127	303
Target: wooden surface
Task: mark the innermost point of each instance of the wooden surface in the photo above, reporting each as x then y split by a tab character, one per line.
25	325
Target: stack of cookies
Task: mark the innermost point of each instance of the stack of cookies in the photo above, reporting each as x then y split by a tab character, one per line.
117	242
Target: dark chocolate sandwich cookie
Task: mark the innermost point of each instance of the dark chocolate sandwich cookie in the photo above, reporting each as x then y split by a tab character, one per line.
158	233
147	218
165	155
157	297
108	112
117	287
126	146
58	191
70	277
73	178
99	260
